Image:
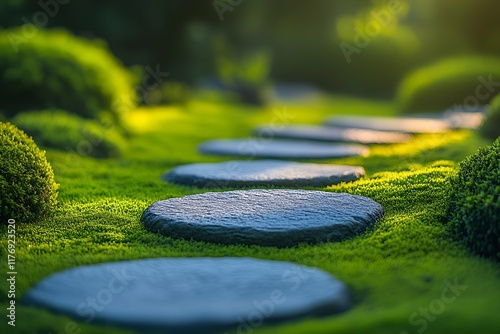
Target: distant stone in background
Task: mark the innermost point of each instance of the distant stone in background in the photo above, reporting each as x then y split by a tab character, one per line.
459	117
407	125
281	149
192	295
332	134
272	217
262	173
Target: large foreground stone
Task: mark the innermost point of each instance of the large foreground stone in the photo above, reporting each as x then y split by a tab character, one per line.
280	149
262	173
407	125
332	134
273	217
194	295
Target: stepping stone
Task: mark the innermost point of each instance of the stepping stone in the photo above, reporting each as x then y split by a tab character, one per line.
464	120
281	149
331	134
407	125
456	118
193	295
272	217
262	173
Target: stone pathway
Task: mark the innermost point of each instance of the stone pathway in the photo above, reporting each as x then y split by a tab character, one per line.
262	173
411	125
281	149
192	295
332	134
272	217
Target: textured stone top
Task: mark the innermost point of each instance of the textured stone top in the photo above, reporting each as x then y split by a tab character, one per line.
332	134
280	149
272	217
262	173
407	124
193	295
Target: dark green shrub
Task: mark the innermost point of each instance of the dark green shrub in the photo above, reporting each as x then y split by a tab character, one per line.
28	191
491	125
448	83
474	210
63	131
54	69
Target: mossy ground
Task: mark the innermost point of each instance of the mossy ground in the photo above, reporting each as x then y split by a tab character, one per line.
395	271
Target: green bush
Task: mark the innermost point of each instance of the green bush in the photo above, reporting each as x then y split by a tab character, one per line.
28	191
474	209
63	131
448	83
491	125
54	69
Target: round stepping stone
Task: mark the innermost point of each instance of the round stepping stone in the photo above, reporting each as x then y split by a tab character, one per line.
193	295
262	173
331	134
407	125
281	149
272	217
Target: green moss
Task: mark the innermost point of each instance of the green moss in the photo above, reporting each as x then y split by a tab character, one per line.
491	126
60	130
53	69
28	191
448	83
393	270
475	205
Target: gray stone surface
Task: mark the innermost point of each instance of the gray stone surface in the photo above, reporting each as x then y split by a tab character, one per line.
464	120
406	125
193	295
332	134
272	217
280	149
456	118
262	173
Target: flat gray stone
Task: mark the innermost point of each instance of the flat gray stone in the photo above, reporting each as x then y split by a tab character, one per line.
406	125
262	173
332	134
193	295
272	217
456	118
464	120
281	149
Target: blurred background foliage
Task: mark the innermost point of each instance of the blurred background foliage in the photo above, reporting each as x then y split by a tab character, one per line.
300	38
427	54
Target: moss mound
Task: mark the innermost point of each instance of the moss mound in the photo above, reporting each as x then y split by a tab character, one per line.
67	132
449	83
27	187
474	210
54	69
491	126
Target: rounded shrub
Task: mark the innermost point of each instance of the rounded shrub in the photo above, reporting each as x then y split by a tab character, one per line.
61	130
28	191
53	69
491	125
474	210
449	83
